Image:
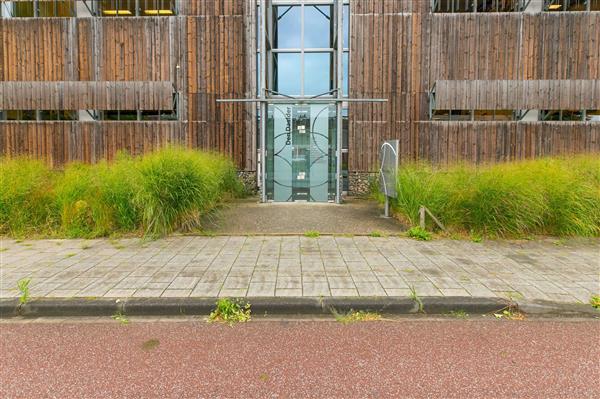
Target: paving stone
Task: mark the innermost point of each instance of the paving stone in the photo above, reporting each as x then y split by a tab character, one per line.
316	289
206	290
261	289
294	266
169	293
233	292
284	282
119	293
345	282
183	283
368	288
288	292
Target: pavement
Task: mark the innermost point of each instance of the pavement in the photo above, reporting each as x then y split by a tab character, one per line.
248	216
471	358
565	271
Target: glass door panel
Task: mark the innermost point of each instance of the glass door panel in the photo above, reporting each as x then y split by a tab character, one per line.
301	152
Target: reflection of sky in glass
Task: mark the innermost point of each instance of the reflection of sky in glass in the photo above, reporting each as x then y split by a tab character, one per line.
346	26
288	27
317	72
345	74
288	73
317	26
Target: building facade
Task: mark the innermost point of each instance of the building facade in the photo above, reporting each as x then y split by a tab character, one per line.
301	93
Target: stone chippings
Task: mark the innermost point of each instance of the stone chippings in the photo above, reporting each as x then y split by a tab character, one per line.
295	266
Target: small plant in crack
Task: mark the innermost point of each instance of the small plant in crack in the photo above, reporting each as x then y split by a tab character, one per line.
376	234
419	234
312	234
121	318
23	286
509	313
595	301
415	297
354	316
230	311
459	314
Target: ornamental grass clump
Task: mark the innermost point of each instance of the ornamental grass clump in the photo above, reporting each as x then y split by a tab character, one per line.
26	197
154	194
96	200
557	196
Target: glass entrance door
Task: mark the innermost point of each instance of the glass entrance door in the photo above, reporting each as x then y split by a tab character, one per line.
301	152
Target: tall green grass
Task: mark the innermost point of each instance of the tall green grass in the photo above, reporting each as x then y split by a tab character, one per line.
156	194
556	196
26	197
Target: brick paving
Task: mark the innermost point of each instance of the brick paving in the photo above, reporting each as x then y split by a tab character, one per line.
239	266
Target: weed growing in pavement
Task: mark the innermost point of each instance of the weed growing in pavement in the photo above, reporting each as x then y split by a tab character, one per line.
121	318
70	255
509	314
85	246
312	234
3	249
354	316
230	311
150	344
376	234
419	234
23	286
476	238
415	297
595	301
459	314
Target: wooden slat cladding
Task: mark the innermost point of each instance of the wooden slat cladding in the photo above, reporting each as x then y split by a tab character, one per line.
212	8
485	142
517	94
62	142
135	48
508	46
37	49
216	68
86	95
398	50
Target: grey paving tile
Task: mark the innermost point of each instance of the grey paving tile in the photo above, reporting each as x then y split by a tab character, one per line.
264	289
183	283
206	290
344	292
315	289
288	292
175	293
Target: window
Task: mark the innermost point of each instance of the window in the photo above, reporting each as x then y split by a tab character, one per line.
303	50
303	62
133	115
56	9
561	115
130	8
476	115
571	5
31	115
592	115
451	6
18	115
53	8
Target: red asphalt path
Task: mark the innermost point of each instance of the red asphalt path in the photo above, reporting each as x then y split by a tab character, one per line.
396	359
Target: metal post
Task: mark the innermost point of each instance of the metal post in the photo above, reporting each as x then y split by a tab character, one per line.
386	212
263	94
339	83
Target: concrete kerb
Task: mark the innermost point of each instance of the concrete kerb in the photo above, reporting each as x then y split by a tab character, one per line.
64	307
